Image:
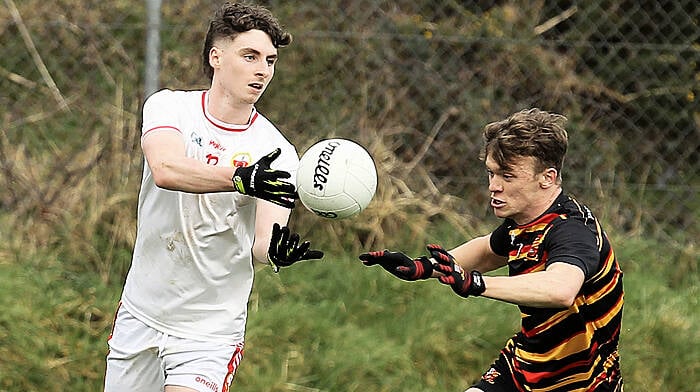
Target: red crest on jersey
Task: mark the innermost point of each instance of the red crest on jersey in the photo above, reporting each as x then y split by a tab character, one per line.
491	376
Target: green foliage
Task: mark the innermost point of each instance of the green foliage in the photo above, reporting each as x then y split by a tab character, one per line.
412	81
53	326
335	325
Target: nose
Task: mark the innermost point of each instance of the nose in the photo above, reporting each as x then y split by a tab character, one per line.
495	185
263	70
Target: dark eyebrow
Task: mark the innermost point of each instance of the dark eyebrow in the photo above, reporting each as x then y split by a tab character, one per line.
256	52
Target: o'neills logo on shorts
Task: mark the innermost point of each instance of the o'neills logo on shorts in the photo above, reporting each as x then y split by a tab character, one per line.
209	384
323	165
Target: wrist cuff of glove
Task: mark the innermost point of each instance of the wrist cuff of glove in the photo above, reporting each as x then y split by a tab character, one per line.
275	267
478	285
238	183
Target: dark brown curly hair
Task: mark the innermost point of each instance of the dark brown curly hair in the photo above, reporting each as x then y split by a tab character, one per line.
233	18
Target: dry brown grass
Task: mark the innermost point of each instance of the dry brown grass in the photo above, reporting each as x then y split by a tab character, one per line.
83	203
406	206
78	200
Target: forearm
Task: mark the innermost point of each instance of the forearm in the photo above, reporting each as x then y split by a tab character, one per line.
556	287
476	255
260	251
191	175
266	215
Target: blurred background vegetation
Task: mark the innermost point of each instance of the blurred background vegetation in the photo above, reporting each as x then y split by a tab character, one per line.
413	81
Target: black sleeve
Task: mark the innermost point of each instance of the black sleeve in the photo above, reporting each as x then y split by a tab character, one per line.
571	242
500	241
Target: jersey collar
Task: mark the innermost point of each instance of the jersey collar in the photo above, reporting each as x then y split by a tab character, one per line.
223	125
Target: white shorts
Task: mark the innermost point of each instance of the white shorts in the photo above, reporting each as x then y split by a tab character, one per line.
143	359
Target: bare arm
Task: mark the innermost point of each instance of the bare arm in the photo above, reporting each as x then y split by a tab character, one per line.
172	169
266	214
476	254
557	286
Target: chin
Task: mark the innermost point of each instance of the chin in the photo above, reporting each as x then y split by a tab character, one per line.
501	214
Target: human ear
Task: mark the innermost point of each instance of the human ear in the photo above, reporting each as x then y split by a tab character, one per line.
215	56
548	178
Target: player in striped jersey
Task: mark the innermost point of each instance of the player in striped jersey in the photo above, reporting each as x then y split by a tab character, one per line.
563	274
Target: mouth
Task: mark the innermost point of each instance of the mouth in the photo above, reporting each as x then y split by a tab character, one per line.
256	86
495	203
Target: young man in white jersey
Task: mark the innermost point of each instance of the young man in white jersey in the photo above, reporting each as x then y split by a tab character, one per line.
216	194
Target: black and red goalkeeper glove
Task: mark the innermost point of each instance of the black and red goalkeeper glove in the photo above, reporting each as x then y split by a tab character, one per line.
286	250
400	265
463	283
259	180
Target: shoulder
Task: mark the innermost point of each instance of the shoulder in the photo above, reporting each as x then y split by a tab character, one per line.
167	96
500	240
570	240
571	226
272	134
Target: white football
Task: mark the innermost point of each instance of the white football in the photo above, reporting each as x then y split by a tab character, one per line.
336	178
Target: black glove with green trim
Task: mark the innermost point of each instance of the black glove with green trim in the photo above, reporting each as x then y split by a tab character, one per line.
463	283
259	180
400	265
285	249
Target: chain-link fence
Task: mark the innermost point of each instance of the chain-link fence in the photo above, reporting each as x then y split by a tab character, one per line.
421	77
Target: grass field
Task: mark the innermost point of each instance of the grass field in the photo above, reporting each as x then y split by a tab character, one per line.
335	325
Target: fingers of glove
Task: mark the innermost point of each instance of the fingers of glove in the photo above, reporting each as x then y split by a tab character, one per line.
276	229
439	254
295	251
445	269
435	247
276	191
278	242
275	238
282	201
275	186
398	258
276	174
372	258
415	270
447	279
312	255
284	236
267	159
293	244
404	269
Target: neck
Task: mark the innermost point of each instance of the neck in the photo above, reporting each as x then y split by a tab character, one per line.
225	108
542	206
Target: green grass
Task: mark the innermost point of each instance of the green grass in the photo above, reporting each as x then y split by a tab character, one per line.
336	325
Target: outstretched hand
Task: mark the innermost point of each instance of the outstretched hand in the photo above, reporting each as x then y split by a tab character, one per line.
463	283
259	180
286	250
400	265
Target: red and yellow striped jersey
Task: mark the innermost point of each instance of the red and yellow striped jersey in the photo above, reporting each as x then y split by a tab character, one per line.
574	348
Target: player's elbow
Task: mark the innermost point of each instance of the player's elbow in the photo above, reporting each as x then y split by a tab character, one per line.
164	177
562	297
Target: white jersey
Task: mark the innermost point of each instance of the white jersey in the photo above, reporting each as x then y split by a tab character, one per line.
191	273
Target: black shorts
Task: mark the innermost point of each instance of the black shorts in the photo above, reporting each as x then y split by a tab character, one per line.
497	379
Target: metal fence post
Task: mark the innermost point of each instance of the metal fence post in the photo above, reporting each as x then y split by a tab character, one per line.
152	65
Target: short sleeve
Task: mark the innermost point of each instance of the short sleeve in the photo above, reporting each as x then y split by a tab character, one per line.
500	240
571	242
160	111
